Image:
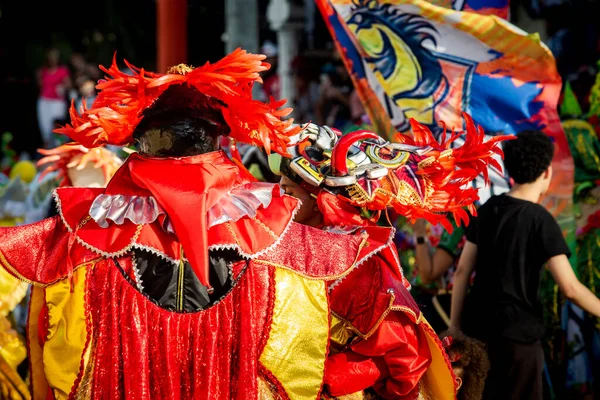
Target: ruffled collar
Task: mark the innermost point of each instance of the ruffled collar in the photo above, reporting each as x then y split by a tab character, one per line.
241	201
186	189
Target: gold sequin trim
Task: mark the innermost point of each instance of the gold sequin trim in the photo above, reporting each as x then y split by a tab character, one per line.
418	318
181	69
232	231
5	264
266	228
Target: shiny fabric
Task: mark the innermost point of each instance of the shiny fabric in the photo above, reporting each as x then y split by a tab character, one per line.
117	208
337	212
12	291
392	362
316	253
240	202
340	335
66	333
439	380
12	349
145	352
155	176
38	382
35	253
369	301
297	346
368	293
176	290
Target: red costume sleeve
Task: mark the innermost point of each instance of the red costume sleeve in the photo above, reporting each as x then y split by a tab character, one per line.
392	361
37	253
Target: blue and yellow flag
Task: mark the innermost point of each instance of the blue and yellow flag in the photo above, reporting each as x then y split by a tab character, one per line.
414	59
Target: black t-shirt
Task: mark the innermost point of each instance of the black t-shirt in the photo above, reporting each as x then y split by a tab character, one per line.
514	239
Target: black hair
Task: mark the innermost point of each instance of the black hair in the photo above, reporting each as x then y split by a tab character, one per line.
470	355
181	122
528	156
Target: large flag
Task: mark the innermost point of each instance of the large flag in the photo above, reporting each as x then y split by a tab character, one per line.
411	58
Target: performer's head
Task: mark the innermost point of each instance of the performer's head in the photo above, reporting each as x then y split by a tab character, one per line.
182	113
172	127
469	362
309	213
528	159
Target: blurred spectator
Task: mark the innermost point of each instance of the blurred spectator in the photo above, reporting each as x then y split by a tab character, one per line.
357	110
333	107
87	94
271	85
307	91
54	83
81	72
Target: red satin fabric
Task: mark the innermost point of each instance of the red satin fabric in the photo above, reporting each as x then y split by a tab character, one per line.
337	212
367	293
392	361
145	352
395	356
38	251
193	184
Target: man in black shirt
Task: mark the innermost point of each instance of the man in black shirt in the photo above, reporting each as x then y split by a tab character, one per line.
507	246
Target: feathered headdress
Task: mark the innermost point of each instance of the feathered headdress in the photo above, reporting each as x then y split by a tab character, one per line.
73	155
118	108
418	177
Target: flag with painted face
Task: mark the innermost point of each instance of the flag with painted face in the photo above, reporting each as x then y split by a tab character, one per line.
413	59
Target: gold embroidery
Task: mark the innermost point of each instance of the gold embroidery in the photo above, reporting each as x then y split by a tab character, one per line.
181	69
232	231
266	228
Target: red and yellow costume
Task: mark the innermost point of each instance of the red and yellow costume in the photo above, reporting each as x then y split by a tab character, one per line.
254	306
418	177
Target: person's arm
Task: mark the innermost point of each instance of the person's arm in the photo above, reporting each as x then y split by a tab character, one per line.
570	287
430	266
422	254
441	262
392	361
462	276
66	83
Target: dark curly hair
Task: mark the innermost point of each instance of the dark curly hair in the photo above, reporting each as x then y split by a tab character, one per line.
470	362
172	128
528	156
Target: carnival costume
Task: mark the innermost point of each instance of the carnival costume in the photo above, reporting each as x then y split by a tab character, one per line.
186	278
73	162
357	176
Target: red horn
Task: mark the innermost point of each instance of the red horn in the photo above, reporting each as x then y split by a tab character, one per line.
340	150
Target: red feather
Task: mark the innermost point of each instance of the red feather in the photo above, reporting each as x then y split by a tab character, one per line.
118	107
451	172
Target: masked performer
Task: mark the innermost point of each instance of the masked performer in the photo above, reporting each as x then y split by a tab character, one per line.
186	278
345	183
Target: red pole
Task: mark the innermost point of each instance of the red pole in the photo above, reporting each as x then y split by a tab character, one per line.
171	31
